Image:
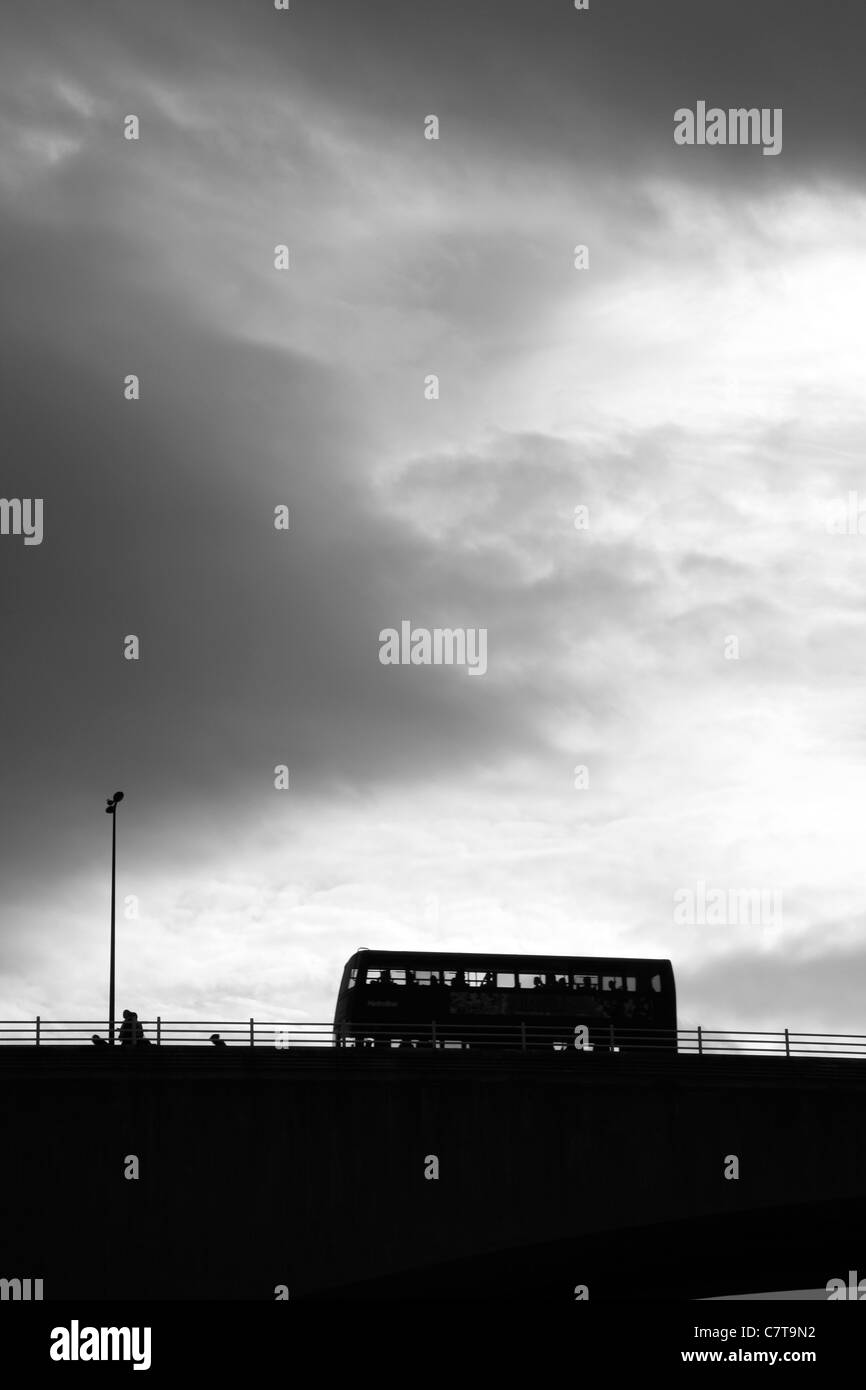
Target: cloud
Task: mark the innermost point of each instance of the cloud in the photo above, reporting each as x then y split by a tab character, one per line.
698	389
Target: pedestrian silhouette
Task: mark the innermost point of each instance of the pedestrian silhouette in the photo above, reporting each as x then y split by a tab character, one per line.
130	1032
217	1040
126	1031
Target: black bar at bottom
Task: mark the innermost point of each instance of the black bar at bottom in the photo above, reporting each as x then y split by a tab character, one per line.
234	1339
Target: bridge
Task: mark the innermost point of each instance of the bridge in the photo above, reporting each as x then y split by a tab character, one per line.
481	1167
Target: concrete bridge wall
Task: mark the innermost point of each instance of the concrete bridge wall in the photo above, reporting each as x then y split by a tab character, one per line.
307	1168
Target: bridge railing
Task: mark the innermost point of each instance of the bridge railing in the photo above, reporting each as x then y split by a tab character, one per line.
495	1035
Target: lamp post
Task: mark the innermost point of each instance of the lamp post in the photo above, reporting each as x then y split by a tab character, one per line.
110	810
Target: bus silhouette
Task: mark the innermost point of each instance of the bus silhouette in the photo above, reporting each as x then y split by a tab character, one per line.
442	999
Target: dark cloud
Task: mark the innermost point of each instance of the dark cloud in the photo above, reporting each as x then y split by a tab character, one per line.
808	988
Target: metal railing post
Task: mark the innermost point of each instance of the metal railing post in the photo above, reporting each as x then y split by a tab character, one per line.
38	1022
787	1044
700	1041
252	1034
158	1031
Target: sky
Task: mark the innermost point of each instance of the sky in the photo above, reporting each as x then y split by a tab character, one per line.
695	639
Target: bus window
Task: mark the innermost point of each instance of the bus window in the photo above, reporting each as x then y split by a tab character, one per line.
504	981
398	977
609	982
656	983
353	978
586	982
374	977
422	977
530	981
448	977
480	979
631	984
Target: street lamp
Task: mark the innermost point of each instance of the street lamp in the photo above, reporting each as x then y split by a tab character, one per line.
110	810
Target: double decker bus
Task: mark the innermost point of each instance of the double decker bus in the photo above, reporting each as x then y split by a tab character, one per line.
423	998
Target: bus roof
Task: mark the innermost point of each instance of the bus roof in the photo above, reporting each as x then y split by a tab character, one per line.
502	960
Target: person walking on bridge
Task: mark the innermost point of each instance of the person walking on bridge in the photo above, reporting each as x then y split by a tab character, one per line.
130	1033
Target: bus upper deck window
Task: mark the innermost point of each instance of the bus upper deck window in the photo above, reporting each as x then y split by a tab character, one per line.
656	983
610	982
504	981
353	978
480	979
398	977
631	984
586	982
